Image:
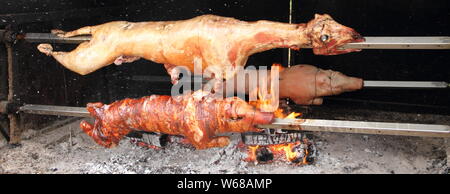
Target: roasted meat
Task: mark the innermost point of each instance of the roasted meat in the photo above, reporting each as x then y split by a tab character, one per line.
199	117
214	42
307	84
304	84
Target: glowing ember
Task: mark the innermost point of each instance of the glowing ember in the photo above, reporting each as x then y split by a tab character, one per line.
296	152
252	153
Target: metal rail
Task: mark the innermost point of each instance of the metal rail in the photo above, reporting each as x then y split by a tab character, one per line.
54	110
405	84
384	128
433	42
51	38
419	42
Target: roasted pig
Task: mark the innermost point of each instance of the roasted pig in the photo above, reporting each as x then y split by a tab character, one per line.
304	84
307	84
199	117
214	42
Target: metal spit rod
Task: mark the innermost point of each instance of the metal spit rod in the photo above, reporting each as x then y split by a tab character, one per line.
343	126
54	110
385	128
405	84
401	42
367	83
51	38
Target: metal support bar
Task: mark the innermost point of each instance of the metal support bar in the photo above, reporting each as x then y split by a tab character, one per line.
382	128
441	42
54	110
51	38
364	127
424	42
4	107
3	73
14	128
405	84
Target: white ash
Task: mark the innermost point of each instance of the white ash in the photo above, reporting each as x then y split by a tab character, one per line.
52	152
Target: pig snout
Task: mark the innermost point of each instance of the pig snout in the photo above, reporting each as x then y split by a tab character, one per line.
344	83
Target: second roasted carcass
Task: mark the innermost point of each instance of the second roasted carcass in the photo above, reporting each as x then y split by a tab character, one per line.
199	117
304	84
214	42
307	84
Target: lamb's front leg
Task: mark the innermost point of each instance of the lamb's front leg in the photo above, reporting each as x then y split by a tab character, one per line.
174	73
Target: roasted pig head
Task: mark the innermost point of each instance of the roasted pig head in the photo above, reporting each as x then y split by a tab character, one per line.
327	36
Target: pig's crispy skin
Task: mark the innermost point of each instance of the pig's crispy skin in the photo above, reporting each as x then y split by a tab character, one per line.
214	41
199	117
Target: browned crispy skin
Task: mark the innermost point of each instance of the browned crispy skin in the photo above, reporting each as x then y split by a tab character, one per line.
213	41
199	117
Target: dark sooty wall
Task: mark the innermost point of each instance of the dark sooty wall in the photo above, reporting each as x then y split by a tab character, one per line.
42	80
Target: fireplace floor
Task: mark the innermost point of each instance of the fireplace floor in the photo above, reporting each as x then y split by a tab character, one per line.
65	149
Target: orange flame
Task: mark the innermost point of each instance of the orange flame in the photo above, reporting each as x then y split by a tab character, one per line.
267	90
286	149
293	115
279	114
266	100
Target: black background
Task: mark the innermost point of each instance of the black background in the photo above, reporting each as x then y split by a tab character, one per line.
41	80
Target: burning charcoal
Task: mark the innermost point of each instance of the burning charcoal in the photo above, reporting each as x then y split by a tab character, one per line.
164	139
287	146
263	154
299	151
135	134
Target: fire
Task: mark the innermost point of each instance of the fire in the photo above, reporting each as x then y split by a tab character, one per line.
251	156
295	152
279	113
267	91
287	149
268	101
293	115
